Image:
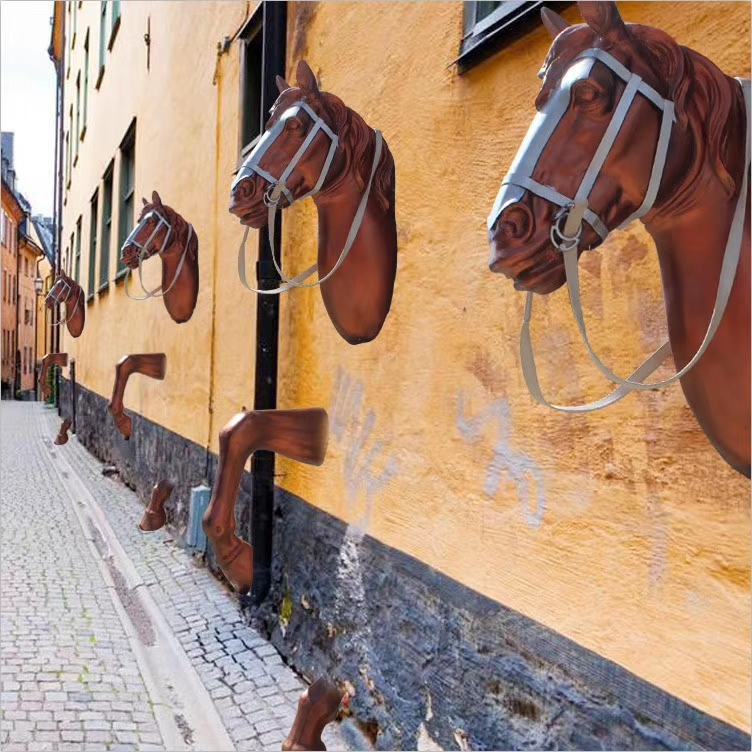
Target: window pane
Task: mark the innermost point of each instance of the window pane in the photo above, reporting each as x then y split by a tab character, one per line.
102	32
484	8
93	244
104	250
252	59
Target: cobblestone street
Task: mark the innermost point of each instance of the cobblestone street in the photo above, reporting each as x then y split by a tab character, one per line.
112	638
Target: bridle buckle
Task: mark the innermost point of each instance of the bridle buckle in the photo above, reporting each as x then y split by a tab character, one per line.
559	240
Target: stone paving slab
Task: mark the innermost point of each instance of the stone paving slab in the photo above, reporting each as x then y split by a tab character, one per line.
255	693
68	677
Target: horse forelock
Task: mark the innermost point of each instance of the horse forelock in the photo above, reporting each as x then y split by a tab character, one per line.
699	90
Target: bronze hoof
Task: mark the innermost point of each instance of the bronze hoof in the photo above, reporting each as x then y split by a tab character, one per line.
62	435
317	707
154	515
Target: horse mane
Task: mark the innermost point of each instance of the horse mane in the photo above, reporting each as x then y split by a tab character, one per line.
359	142
703	99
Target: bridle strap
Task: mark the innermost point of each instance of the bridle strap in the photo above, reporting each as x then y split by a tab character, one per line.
354	228
155	293
635	382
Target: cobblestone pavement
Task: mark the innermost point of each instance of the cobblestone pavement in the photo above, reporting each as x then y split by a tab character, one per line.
68	675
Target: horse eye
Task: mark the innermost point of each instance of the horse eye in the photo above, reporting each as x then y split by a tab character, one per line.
585	93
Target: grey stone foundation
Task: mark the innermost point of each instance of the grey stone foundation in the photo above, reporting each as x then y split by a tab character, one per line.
151	454
424	655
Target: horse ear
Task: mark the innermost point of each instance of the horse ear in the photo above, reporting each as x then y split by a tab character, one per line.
282	85
306	78
155	199
553	22
146	203
604	19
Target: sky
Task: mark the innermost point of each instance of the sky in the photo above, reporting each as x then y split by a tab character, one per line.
27	97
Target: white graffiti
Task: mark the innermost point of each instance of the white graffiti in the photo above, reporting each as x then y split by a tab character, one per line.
520	468
364	454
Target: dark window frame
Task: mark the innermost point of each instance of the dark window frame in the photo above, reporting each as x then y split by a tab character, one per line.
93	231
251	40
78	110
505	24
126	194
86	84
114	23
102	42
106	228
77	257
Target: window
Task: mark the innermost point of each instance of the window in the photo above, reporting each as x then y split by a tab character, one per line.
93	243
75	24
77	275
114	22
67	161
69	268
70	143
251	50
104	246
26	266
102	43
78	111
86	81
127	189
489	24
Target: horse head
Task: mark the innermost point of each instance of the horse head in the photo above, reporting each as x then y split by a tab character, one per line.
154	232
613	129
63	290
311	142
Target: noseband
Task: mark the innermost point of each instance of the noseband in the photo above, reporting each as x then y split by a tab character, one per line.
145	250
69	290
566	231
278	187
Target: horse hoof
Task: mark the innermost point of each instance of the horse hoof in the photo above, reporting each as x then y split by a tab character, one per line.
62	436
237	565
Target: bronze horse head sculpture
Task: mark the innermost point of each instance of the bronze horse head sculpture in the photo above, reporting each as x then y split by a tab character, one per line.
66	291
161	231
314	145
631	125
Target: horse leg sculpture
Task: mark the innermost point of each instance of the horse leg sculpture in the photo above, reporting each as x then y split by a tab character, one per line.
153	365
317	707
154	516
62	435
51	359
301	435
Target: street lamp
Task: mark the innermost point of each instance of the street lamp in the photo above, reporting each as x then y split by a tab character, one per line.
38	285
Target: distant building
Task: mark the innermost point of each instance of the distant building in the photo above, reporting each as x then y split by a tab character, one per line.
21	249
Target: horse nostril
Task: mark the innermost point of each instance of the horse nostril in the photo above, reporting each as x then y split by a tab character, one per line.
244	190
516	222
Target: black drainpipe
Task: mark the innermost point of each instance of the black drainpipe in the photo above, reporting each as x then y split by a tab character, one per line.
267	323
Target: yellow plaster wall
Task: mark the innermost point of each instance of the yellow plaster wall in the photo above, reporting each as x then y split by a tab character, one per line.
186	149
622	530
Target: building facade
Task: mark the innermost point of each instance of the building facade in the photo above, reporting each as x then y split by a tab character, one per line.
21	248
471	565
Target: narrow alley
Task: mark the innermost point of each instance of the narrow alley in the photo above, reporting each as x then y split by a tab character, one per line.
112	638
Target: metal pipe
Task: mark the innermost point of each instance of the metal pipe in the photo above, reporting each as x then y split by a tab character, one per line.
267	323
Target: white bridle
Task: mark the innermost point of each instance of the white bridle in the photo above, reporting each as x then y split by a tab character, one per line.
145	248
574	210
278	186
69	289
